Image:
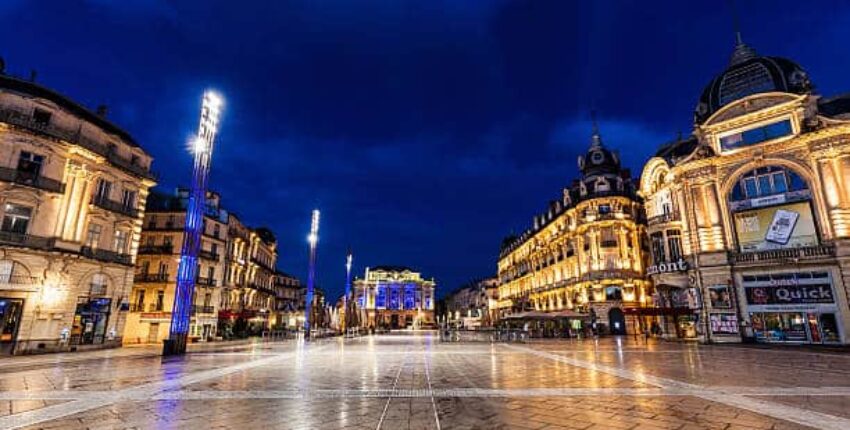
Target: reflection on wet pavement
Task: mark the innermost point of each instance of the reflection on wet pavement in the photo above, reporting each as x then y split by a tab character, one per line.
415	382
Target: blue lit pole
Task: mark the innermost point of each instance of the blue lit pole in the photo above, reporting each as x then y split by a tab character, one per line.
202	147
347	297
313	239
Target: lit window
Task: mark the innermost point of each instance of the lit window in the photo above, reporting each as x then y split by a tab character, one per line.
755	135
17	218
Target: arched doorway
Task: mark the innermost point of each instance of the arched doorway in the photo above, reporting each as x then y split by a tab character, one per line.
617	321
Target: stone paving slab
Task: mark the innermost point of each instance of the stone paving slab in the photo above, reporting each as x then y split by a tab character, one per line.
416	382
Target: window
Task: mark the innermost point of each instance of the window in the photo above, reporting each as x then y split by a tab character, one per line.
120	241
613	293
152	223
41	116
6	269
170	222
140	299
674	244
17	218
604	209
29	165
216	230
211	273
755	135
163	268
102	190
145	267
160	300
167	240
98	284
93	235
128	199
657	241
767	181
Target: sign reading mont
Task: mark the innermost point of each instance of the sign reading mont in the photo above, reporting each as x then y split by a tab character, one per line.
676	266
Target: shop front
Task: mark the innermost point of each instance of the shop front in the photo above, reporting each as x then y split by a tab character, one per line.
677	303
797	307
90	321
10	320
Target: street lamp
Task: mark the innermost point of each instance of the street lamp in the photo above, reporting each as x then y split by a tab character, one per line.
202	148
313	239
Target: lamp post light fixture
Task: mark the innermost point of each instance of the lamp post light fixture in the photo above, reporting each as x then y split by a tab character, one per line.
202	148
313	239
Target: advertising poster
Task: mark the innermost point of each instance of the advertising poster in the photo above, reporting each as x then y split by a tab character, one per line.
784	226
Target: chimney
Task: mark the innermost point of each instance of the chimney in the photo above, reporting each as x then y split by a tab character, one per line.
102	110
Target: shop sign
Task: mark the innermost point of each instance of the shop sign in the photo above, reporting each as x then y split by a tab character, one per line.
790	294
677	266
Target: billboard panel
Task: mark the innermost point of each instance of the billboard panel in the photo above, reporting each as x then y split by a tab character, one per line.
784	226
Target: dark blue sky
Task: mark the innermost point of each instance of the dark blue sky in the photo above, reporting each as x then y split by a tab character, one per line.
424	130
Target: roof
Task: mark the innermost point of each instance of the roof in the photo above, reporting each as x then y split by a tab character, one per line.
677	149
31	88
391	269
835	106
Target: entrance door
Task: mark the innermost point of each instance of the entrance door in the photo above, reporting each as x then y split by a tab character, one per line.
153	332
617	321
10	319
394	321
90	321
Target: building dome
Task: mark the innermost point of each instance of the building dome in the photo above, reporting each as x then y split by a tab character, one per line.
598	160
749	73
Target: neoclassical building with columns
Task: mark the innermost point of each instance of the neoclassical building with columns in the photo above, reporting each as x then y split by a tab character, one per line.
582	262
749	218
72	194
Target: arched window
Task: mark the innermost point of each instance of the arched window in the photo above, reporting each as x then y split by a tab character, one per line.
12	272
767	181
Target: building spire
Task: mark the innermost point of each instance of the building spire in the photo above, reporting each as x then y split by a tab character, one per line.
596	140
742	51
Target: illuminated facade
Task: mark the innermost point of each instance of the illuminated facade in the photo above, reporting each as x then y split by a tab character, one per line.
471	305
152	299
395	297
583	257
250	292
749	218
72	194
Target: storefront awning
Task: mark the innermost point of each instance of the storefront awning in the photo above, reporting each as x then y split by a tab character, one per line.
547	315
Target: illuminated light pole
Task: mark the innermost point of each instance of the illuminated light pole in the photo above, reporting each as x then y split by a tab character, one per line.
313	239
345	299
202	147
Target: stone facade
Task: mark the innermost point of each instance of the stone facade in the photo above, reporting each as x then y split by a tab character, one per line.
394	297
756	206
72	192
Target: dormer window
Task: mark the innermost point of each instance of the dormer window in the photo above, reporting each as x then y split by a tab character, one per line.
756	135
41	117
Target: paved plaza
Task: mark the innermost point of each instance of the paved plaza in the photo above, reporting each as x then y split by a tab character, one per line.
414	381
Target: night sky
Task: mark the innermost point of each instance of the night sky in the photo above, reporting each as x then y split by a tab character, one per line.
425	131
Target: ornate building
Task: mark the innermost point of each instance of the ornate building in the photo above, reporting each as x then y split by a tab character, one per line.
394	297
152	299
749	218
72	196
471	305
582	259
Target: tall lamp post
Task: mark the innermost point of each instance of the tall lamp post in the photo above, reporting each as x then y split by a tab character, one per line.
202	147
313	239
347	297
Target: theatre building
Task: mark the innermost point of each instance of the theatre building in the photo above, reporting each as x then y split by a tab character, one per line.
749	218
394	297
581	264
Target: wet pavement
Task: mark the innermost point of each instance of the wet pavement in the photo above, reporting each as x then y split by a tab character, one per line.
414	381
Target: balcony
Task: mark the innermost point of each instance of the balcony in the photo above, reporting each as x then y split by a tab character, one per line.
27	240
169	226
664	218
156	249
196	309
785	255
113	206
105	256
74	136
31	180
142	307
208	255
208	282
150	277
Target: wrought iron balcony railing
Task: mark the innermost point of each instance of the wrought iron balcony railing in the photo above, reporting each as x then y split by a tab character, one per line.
156	249
208	255
197	309
664	218
31	180
27	240
105	256
113	206
27	121
209	282
150	277
785	255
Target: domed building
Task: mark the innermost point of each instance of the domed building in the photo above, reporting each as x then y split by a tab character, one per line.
581	264
749	217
